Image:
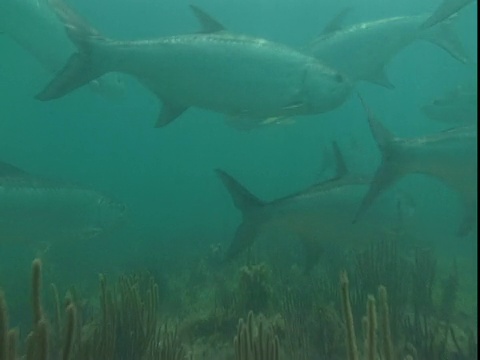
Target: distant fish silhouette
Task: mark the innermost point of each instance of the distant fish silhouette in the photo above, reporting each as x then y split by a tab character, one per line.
32	209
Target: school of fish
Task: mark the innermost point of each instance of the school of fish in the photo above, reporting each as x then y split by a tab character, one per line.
255	81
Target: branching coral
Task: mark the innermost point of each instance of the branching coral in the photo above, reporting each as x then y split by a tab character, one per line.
255	340
38	340
128	327
255	291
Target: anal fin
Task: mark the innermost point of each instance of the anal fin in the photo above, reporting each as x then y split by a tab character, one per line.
169	113
379	77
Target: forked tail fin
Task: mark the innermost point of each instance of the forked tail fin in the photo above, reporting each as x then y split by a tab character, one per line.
390	168
249	205
83	66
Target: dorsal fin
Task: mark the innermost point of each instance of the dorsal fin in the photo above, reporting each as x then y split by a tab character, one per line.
208	23
337	22
10	170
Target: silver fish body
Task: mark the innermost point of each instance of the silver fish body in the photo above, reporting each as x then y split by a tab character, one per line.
33	209
233	74
363	50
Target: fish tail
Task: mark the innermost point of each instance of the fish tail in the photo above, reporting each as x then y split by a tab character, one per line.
249	205
83	66
390	168
446	9
444	36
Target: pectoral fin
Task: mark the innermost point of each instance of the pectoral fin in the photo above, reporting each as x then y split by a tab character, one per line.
245	123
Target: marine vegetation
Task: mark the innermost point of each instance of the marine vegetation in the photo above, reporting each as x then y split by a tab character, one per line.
300	316
255	340
126	326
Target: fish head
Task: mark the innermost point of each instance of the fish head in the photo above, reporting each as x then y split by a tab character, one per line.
324	89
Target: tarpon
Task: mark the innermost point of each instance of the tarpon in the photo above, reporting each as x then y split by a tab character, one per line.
363	50
241	76
318	215
33	25
458	106
450	156
33	209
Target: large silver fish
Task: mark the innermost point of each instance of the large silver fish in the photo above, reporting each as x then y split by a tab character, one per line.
33	209
450	156
33	25
215	70
318	215
362	50
458	106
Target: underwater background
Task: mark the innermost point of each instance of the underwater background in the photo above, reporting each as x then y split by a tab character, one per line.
179	213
